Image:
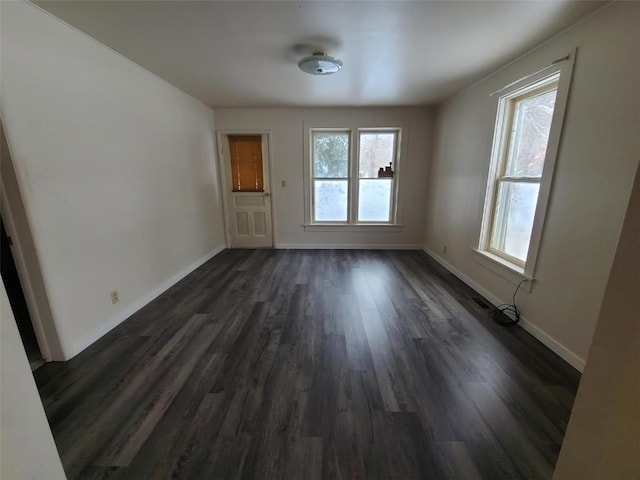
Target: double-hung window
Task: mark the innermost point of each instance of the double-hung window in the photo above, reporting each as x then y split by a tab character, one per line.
526	139
376	150
354	182
527	128
330	158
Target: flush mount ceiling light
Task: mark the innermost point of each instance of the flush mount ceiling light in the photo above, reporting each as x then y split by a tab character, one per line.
320	64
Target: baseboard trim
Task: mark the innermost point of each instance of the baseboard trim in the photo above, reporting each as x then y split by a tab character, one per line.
556	347
134	307
346	246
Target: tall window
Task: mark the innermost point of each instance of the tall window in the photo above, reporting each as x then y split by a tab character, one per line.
351	191
331	175
377	149
526	139
528	123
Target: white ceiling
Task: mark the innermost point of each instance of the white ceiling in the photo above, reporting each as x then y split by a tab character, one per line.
244	53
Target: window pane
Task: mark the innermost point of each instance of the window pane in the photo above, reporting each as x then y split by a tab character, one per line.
531	125
246	163
331	154
330	200
374	200
376	150
515	209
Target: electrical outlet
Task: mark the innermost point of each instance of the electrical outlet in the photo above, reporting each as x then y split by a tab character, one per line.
444	250
284	183
114	297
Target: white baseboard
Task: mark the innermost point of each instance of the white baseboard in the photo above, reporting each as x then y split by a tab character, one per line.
556	347
346	246
134	307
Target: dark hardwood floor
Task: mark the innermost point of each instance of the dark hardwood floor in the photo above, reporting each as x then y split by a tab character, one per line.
336	364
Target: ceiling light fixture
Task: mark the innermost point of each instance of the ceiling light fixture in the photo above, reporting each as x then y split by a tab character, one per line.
320	64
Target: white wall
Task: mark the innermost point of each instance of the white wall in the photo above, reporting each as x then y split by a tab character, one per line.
287	163
27	449
603	435
26	259
597	158
117	170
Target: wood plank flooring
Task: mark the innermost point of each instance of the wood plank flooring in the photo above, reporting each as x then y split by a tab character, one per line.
301	364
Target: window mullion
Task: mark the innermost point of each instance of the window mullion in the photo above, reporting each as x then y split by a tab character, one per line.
353	175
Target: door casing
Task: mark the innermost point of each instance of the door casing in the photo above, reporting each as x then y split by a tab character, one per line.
225	179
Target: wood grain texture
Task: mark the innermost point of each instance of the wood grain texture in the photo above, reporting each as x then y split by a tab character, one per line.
275	364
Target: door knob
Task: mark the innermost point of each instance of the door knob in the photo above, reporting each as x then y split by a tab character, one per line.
267	194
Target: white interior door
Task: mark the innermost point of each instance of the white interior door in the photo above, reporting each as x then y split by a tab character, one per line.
248	193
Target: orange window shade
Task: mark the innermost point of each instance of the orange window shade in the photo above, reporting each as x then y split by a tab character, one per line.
246	163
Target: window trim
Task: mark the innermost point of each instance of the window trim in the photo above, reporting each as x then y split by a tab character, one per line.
400	128
564	70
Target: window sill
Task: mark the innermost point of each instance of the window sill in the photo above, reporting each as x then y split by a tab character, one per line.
360	227
505	269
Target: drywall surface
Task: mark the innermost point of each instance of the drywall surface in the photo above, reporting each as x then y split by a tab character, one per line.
27	449
288	127
25	256
597	158
603	436
117	171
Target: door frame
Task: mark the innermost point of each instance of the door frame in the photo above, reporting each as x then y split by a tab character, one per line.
25	255
23	276
222	138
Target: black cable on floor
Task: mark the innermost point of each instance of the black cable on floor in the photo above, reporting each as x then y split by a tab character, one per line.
507	314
